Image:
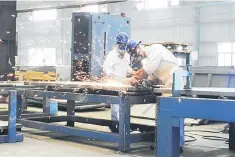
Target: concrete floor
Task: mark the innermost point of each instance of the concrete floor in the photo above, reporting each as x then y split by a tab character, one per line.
44	144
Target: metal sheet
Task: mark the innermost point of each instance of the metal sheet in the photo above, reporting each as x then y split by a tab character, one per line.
223	92
112	86
4	125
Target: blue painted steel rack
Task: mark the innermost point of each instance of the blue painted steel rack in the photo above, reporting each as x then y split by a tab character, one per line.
12	135
123	138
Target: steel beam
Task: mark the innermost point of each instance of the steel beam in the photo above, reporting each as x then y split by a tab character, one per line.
110	137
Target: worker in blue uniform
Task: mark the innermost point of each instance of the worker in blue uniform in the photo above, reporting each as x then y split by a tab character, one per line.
116	66
158	66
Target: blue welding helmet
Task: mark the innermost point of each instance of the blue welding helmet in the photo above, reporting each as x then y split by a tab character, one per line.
131	45
121	40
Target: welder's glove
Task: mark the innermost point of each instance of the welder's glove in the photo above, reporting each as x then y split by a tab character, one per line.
140	74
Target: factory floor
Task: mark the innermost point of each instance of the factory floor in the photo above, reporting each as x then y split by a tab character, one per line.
44	144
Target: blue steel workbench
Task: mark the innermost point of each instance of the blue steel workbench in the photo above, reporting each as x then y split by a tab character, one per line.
12	136
21	109
171	110
123	138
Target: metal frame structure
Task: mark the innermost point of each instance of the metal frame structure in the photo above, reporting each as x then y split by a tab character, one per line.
171	110
5	87
12	135
123	138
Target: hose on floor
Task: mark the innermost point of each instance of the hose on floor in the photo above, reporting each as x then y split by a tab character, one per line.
214	138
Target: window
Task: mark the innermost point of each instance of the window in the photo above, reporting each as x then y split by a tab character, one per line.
174	2
92	8
104	8
42	57
226	54
140	6
43	15
155	4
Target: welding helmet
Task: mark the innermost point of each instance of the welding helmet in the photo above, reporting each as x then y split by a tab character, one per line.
121	40
131	46
135	58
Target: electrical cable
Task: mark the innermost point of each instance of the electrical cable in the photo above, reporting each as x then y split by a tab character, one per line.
215	138
191	140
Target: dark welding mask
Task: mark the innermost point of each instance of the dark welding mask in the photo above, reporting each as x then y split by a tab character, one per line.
136	58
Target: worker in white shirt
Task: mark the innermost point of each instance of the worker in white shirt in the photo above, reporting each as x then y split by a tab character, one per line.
116	66
158	64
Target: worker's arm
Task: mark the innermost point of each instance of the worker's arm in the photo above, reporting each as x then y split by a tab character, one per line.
140	74
1	41
137	77
150	64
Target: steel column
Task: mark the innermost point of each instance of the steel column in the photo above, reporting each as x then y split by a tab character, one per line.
70	111
12	136
232	136
19	106
46	105
124	124
12	116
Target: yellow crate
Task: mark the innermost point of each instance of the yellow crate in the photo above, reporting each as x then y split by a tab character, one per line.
36	76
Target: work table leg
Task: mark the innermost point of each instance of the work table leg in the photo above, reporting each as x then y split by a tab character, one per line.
46	105
70	111
19	106
12	116
124	124
168	136
232	136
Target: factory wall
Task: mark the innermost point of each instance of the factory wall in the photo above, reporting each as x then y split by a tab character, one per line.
203	27
46	42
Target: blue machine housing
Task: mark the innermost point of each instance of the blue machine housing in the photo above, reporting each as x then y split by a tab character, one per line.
93	37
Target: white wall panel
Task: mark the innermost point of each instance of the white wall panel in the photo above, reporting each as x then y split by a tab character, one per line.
217	24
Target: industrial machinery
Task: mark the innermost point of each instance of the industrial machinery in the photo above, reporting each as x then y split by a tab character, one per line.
183	104
93	36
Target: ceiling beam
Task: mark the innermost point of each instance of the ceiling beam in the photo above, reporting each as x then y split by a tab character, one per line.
77	5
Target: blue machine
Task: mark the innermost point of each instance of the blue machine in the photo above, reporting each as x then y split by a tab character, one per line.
172	110
93	37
